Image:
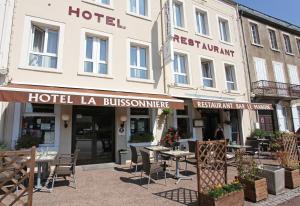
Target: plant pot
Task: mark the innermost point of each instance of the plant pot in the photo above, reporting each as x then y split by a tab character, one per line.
292	178
255	190
234	198
275	178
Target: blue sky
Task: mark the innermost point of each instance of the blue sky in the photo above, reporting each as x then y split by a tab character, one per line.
287	10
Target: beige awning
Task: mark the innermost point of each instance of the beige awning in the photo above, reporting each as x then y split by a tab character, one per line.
211	104
71	96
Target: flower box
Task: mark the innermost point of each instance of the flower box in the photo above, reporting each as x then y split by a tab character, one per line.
255	190
292	178
230	199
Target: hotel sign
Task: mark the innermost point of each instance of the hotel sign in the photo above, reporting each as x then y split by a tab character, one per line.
90	100
230	105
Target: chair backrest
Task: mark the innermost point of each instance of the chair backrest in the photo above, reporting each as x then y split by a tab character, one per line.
134	154
192	146
146	161
253	143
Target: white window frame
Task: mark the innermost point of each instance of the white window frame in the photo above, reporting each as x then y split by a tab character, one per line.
27	42
183	16
188	69
56	115
298	44
149	59
137	14
97	34
199	9
251	33
289	66
270	40
235	76
213	71
100	4
255	69
285	46
230	30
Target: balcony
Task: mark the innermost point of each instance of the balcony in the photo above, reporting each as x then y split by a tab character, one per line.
275	89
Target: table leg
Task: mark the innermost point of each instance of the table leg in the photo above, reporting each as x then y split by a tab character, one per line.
177	175
177	168
38	185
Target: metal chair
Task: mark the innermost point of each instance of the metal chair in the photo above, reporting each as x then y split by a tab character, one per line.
192	148
65	167
151	168
135	158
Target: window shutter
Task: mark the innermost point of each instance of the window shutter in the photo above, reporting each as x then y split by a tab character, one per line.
278	70
293	74
260	69
295	114
280	118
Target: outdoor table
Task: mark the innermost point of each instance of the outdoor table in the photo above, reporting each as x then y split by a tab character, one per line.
237	146
156	150
177	154
42	159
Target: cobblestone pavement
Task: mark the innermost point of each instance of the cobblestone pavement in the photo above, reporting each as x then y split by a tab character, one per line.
115	185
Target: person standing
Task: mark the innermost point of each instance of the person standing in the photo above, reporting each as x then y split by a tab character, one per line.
219	133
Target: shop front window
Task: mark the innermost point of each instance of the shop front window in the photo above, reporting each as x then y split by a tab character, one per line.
139	121
38	121
183	123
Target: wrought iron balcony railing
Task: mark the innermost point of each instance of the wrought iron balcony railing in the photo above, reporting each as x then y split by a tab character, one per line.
275	89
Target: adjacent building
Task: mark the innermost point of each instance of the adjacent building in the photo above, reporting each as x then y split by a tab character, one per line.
272	49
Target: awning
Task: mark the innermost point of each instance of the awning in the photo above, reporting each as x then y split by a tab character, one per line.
211	104
71	96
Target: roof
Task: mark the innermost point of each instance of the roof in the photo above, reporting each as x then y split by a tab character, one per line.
270	20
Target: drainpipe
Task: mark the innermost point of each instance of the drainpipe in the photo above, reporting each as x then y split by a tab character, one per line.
162	46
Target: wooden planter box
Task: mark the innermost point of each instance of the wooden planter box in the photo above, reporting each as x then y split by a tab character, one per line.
255	190
292	178
234	198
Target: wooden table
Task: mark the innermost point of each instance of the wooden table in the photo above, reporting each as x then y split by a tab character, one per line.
177	154
237	146
42	159
156	150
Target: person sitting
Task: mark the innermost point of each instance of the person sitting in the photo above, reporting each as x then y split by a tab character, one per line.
219	133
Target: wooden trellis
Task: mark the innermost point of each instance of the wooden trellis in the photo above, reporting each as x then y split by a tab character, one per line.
16	177
211	164
290	146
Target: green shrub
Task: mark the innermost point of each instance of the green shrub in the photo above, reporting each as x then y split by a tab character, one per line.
27	141
137	138
3	147
221	190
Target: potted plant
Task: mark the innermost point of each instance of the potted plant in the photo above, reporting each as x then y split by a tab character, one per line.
166	112
27	141
223	195
141	138
170	138
291	170
255	187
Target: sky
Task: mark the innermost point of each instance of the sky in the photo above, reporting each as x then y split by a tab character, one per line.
287	10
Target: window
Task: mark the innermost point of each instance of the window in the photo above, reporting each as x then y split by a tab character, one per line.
298	45
273	39
287	43
38	121
224	30
44	46
107	2
183	123
255	33
139	7
207	73
202	22
139	121
178	14
139	66
96	55
180	68
230	77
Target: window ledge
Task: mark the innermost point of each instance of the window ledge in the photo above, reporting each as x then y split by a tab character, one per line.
290	54
148	18
98	4
231	92
203	35
257	45
95	75
275	50
212	89
181	28
182	86
40	69
147	81
227	43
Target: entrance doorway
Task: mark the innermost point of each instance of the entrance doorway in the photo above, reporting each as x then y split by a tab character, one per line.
211	119
266	120
93	134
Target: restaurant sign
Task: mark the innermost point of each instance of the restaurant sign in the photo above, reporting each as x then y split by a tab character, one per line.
89	100
230	105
